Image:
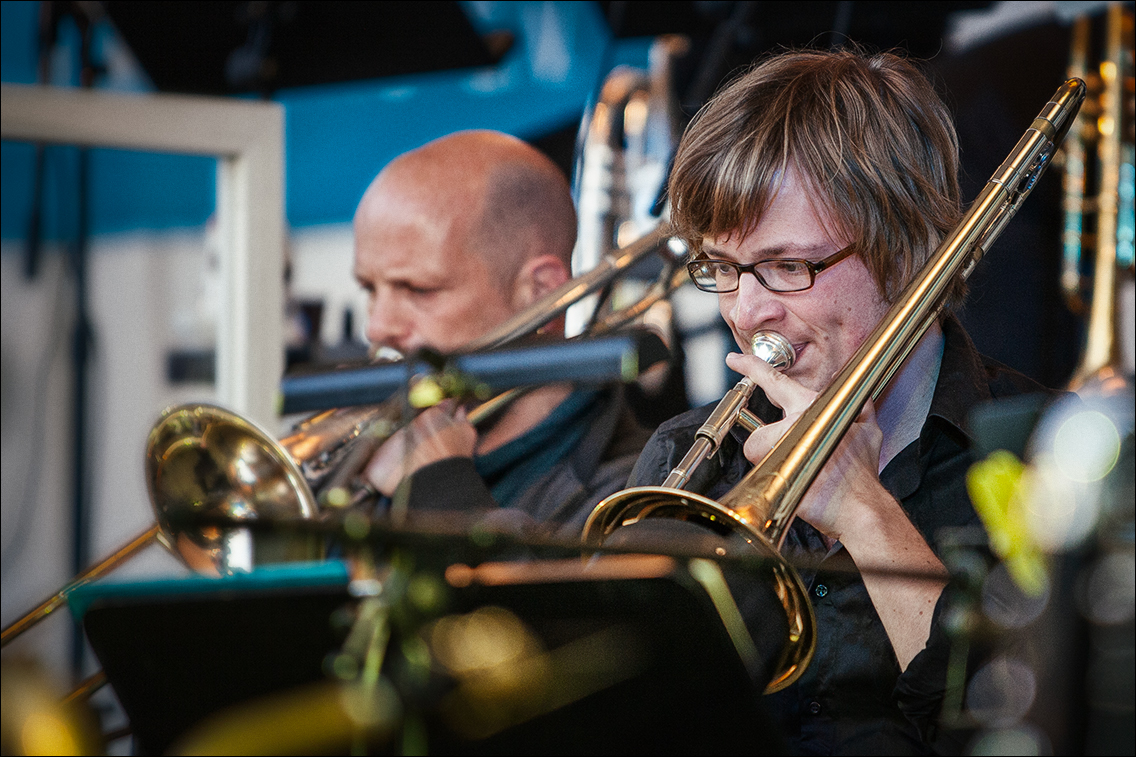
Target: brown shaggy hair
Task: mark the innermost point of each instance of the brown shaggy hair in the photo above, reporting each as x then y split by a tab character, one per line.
867	134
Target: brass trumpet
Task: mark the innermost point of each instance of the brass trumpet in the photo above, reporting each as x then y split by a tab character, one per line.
763	504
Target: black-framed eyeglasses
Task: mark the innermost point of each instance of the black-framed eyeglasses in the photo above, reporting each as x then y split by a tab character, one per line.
775	274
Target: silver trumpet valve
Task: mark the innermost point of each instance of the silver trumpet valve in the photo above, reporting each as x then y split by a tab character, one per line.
731	409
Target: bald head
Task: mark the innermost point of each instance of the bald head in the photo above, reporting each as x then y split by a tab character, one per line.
479	215
497	195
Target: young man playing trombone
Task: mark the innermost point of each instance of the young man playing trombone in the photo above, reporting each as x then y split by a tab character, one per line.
451	240
811	191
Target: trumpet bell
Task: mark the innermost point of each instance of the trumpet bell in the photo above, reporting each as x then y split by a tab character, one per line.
203	461
631	505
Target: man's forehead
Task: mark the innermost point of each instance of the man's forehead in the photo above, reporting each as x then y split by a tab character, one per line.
405	199
403	228
405	256
427	225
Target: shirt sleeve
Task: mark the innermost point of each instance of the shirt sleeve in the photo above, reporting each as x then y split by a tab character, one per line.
452	484
921	690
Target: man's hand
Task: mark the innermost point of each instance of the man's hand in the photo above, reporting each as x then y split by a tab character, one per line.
847	503
851	475
436	434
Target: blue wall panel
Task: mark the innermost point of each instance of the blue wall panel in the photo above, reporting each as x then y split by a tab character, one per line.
337	136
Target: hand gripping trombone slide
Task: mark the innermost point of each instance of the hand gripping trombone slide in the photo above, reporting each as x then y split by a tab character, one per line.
762	505
771	347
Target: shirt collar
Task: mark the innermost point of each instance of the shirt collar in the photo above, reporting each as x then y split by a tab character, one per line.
962	380
961	386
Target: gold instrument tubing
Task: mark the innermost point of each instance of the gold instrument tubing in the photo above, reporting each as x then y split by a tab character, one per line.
762	505
1102	344
59	598
558	300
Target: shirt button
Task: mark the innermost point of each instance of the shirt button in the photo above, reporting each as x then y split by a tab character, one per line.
814	707
821	590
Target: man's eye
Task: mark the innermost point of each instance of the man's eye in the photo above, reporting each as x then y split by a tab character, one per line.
788	266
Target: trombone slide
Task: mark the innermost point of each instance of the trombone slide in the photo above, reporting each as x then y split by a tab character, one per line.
771	347
59	598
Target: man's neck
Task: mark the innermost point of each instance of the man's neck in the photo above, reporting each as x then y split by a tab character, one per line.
524	414
904	404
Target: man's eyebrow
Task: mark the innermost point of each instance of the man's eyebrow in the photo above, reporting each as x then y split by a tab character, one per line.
710	251
397	276
788	250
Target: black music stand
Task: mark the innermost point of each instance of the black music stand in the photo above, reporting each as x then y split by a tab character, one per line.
174	659
177	650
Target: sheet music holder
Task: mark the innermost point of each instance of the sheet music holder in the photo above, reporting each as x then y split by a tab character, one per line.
177	652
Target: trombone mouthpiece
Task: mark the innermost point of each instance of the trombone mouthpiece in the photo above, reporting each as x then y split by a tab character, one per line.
384	354
773	349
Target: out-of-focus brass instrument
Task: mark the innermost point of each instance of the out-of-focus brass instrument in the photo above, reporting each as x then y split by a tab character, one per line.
762	505
626	141
1100	190
204	460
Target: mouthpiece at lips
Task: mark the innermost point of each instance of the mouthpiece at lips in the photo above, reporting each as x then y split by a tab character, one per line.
773	349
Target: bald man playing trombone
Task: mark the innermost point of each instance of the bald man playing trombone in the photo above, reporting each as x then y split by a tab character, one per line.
451	240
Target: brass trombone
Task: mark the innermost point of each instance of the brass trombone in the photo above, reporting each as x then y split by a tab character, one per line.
231	449
203	459
762	505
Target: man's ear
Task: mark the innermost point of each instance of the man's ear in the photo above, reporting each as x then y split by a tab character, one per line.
538	276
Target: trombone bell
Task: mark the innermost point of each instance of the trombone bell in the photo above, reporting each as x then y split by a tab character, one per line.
203	461
632	505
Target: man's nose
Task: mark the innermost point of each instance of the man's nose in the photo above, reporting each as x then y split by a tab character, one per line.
387	324
754	306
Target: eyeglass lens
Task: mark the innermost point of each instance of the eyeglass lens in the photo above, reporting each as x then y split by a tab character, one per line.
777	275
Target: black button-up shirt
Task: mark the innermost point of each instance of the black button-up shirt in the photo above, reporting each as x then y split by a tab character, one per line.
853	699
